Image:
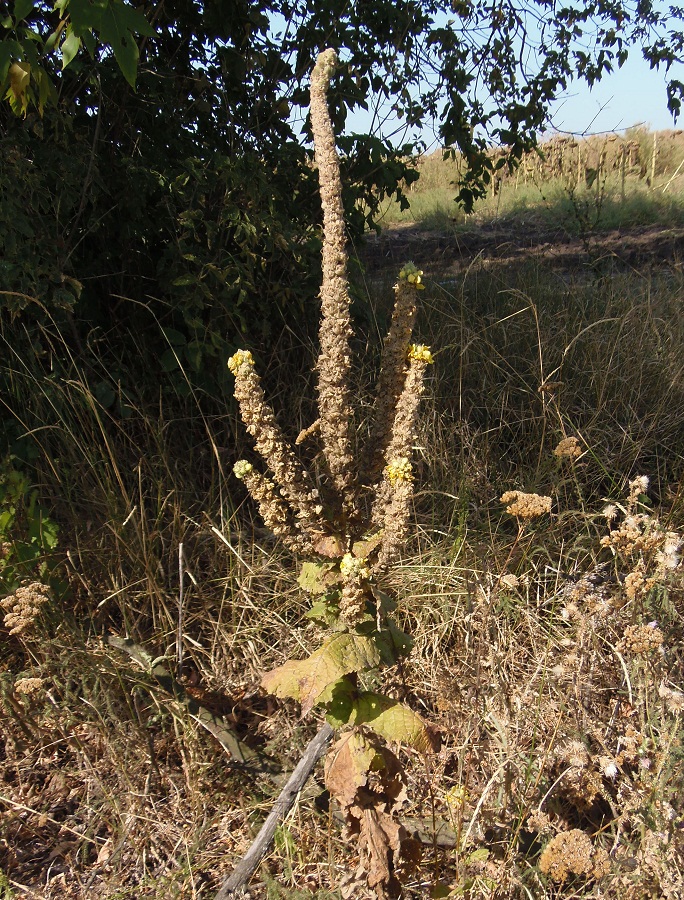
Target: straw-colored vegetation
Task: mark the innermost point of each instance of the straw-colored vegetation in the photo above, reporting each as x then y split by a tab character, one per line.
568	185
541	586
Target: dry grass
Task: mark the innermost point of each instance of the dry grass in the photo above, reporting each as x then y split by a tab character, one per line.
552	722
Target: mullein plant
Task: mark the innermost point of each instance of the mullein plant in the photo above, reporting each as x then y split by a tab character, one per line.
349	521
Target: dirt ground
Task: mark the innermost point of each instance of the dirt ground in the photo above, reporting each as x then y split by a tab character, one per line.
495	244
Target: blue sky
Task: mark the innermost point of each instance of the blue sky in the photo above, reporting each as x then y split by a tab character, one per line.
633	95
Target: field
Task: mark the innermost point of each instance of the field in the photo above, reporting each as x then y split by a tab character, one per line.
547	649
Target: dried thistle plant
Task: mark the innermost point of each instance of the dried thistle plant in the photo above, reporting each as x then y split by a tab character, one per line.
322	516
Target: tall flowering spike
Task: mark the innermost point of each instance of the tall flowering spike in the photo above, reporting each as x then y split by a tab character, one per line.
393	368
403	432
274	511
393	493
334	362
293	480
397	491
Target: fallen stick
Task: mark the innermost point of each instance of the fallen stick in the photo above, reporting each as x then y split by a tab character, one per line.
236	882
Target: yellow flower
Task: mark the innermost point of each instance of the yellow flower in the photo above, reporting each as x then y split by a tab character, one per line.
239	359
421	353
413	275
399	469
354	567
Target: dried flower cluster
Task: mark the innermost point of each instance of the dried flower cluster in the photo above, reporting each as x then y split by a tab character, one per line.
568	448
292	501
640	639
24	606
30	687
674	700
572	853
526	506
650	551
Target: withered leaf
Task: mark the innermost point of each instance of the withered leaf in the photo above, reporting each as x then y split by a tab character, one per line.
330	545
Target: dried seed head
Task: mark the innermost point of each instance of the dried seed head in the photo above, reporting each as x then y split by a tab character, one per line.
526	506
610	512
641	639
572	853
24	606
674	700
568	448
29	686
637	487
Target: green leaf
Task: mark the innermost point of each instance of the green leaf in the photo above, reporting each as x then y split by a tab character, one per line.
22	8
305	680
104	394
85	14
194	352
8	51
133	19
185	280
49	534
391	720
168	361
479	855
115	31
70	47
174	337
339	701
325	611
393	642
312	577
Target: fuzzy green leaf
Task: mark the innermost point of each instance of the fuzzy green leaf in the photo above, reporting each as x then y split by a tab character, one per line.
324	611
305	680
312	578
339	701
391	720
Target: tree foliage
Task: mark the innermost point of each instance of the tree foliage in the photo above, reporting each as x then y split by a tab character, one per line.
153	166
229	75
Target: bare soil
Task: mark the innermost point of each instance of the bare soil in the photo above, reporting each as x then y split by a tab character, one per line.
495	244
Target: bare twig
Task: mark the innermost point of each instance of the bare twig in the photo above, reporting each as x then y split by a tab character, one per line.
234	885
179	638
